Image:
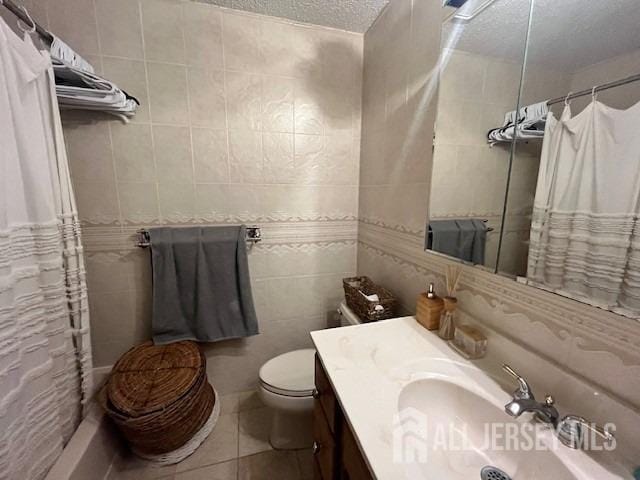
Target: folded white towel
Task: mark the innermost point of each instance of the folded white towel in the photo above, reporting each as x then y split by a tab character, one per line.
531	122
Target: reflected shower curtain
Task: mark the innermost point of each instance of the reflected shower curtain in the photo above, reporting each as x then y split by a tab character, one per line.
45	356
585	234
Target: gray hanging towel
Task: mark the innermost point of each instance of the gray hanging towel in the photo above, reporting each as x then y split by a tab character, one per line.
443	236
201	284
479	241
463	238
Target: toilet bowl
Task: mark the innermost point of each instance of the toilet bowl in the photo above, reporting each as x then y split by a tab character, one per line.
287	385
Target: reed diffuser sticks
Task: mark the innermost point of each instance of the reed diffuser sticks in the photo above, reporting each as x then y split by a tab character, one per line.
447	324
453	278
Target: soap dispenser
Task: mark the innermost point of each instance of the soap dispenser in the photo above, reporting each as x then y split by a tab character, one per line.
429	309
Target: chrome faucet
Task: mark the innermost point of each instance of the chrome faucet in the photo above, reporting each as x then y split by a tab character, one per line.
570	430
524	401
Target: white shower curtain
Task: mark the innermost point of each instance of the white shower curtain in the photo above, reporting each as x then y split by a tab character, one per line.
45	356
585	235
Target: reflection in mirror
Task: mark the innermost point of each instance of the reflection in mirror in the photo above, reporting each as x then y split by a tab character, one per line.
483	46
580	180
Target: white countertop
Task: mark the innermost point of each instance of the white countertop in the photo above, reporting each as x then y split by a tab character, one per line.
369	365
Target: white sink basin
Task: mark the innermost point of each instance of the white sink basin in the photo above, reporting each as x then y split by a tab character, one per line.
457	425
390	375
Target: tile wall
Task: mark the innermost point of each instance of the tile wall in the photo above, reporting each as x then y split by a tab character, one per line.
398	116
243	118
395	168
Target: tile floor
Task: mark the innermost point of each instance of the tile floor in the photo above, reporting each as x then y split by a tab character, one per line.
237	449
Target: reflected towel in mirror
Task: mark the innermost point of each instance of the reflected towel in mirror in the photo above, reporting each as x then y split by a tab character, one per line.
460	238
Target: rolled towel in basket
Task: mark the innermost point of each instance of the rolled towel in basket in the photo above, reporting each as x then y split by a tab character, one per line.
371	298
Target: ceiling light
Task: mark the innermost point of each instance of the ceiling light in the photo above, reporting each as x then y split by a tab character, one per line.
465	10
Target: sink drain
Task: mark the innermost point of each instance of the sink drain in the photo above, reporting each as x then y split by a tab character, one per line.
493	473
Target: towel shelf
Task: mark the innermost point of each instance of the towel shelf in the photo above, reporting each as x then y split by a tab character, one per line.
254	235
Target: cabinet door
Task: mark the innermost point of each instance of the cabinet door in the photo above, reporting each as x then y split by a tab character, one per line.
324	446
317	474
324	394
353	467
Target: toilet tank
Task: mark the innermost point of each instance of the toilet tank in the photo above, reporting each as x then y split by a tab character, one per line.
347	317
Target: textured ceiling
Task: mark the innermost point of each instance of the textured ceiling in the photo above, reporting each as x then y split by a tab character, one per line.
567	34
351	15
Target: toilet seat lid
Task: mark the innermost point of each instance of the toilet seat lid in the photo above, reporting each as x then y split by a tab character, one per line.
290	372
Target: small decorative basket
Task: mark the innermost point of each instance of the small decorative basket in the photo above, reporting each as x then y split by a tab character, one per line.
356	291
160	399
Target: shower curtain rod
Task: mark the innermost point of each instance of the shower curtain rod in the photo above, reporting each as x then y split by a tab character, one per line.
599	88
26	18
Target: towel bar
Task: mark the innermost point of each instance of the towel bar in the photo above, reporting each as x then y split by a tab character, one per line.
489	229
254	235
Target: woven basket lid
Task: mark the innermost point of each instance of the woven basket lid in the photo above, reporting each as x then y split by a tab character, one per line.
149	377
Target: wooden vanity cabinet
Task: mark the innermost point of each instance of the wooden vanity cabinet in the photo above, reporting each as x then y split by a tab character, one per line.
335	452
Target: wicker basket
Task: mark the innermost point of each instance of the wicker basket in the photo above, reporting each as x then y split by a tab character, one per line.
355	289
159	396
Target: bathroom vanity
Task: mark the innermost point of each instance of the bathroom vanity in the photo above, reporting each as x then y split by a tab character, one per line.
386	390
336	452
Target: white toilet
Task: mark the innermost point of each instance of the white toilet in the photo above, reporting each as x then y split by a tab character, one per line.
287	385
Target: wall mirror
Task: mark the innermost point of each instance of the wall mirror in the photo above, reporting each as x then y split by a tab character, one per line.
482	54
536	170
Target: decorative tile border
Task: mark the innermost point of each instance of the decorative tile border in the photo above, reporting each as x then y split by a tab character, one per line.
375	222
515	222
558	313
123	238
